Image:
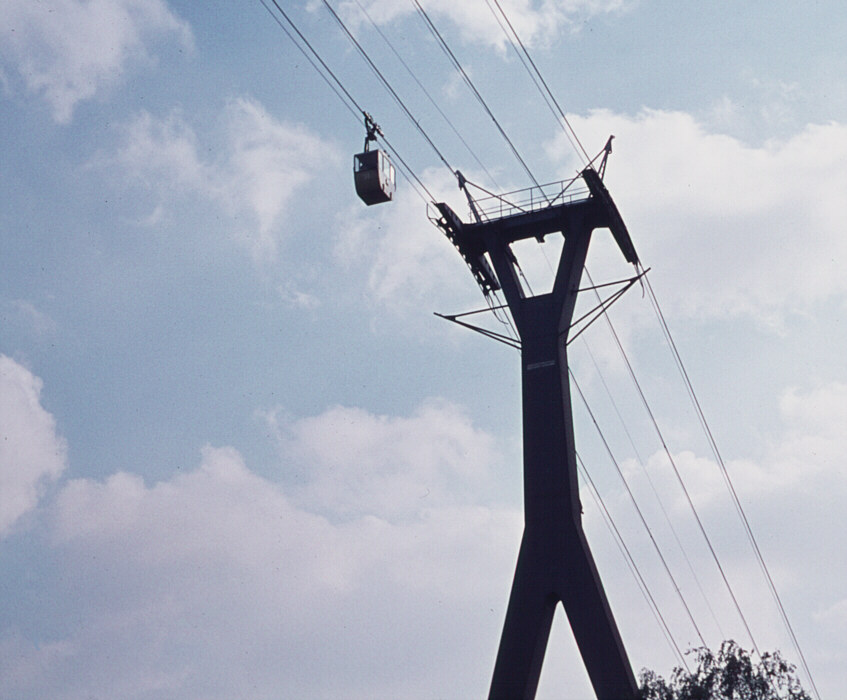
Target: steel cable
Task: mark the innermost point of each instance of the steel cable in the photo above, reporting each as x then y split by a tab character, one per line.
680	480
728	481
638	509
466	78
341	92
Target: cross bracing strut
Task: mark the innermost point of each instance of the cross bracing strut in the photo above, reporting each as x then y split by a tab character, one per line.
592	314
555	562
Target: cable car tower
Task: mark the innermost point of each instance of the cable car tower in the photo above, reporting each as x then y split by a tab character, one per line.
555	562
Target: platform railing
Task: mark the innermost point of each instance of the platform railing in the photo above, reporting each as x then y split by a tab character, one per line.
530	199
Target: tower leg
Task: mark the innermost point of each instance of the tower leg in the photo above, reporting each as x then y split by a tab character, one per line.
555	563
544	576
591	620
526	630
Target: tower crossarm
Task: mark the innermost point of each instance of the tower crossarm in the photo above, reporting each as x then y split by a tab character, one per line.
475	240
614	221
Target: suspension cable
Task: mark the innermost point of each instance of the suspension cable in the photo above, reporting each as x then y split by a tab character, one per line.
535	75
679	479
466	78
335	84
387	85
630	561
637	508
728	481
653	488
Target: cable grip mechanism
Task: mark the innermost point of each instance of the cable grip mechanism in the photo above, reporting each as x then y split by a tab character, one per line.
372	130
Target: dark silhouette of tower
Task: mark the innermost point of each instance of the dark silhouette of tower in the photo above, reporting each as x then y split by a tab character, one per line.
555	562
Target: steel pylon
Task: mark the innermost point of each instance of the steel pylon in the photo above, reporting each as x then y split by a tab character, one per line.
555	562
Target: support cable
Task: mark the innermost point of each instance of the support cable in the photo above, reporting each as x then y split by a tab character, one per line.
427	93
458	66
637	508
342	93
505	339
602	307
679	479
497	305
728	481
387	85
546	92
653	488
630	561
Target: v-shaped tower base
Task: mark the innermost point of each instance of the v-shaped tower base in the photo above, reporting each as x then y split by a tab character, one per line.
555	562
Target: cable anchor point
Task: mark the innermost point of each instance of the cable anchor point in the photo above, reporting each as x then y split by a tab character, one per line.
607	149
463	185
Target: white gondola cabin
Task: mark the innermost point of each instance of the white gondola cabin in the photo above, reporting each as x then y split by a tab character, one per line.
373	173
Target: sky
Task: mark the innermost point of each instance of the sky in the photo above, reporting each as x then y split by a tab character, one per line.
240	456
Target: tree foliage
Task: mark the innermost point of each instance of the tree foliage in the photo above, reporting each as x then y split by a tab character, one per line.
731	674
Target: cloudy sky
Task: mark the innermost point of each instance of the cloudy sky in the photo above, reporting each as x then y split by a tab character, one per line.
240	457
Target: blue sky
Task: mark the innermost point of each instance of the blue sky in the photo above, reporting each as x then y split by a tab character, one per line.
240	457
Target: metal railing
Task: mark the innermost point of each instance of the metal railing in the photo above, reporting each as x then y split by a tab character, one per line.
530	199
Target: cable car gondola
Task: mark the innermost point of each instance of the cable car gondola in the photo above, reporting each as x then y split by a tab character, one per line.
373	171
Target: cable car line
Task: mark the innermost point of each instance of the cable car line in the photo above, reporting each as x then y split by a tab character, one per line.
653	488
426	92
341	92
387	85
681	482
580	150
358	111
352	105
458	66
638	509
546	93
728	482
630	561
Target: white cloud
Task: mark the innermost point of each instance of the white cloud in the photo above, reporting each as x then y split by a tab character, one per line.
156	149
534	22
728	228
388	466
218	583
792	495
297	298
805	456
835	614
407	260
31	317
823	409
769	107
378	541
67	51
31	453
261	165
